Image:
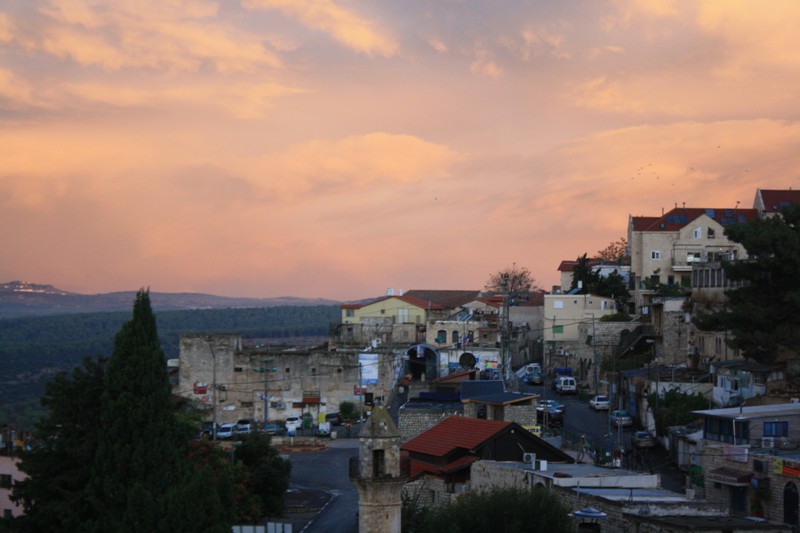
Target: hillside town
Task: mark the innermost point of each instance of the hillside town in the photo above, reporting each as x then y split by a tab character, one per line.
454	389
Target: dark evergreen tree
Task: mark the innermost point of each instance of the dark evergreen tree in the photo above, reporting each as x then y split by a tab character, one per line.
591	282
763	314
613	286
141	465
59	466
584	275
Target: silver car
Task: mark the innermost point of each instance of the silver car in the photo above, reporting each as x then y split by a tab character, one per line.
599	403
621	418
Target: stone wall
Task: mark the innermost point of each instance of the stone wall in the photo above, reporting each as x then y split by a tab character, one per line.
524	415
430	492
414	421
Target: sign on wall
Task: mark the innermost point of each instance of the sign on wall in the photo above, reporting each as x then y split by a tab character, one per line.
369	368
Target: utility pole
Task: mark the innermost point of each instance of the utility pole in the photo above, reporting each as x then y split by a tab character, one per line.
594	352
266	372
504	345
213	388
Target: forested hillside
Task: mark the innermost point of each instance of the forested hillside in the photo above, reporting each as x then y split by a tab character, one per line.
33	349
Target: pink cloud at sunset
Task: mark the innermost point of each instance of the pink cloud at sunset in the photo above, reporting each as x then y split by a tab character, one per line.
337	148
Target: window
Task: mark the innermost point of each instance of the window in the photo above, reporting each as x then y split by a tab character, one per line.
711	233
558	329
455	336
697	233
655	254
776	429
246	405
378	463
441	336
694	257
402	315
670	280
350	313
5	481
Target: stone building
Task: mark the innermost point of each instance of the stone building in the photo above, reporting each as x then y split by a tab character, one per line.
750	460
233	381
377	473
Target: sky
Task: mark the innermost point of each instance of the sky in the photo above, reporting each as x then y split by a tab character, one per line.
339	148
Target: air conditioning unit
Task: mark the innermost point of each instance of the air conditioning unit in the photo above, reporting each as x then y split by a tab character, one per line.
279	405
560	351
767	442
529	458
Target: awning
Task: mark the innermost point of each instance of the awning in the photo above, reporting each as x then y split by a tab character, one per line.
729	476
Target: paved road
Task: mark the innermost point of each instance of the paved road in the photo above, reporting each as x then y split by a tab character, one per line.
580	418
324	478
327	471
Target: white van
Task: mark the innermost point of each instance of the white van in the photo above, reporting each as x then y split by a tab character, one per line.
567	385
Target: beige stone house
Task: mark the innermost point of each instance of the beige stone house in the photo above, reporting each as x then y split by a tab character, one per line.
663	249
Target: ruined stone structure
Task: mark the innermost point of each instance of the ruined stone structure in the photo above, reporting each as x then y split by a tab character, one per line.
235	382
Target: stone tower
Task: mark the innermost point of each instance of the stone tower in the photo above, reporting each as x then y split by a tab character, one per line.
378	475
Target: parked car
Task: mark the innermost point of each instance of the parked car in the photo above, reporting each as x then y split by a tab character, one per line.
643	439
568	385
621	418
226	431
272	429
554	410
534	378
599	403
293	423
244	426
335	419
550	404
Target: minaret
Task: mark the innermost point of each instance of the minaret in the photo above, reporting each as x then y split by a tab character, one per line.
378	476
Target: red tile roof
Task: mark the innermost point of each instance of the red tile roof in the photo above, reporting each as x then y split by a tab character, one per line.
569	266
679	217
455	432
447	299
776	200
641	223
417	302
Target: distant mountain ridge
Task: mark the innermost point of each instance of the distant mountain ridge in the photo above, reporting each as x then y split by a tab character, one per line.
23	299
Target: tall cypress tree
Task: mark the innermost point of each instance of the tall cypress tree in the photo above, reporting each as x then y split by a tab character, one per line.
140	454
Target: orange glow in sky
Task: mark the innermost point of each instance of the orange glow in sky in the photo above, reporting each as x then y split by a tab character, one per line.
336	148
